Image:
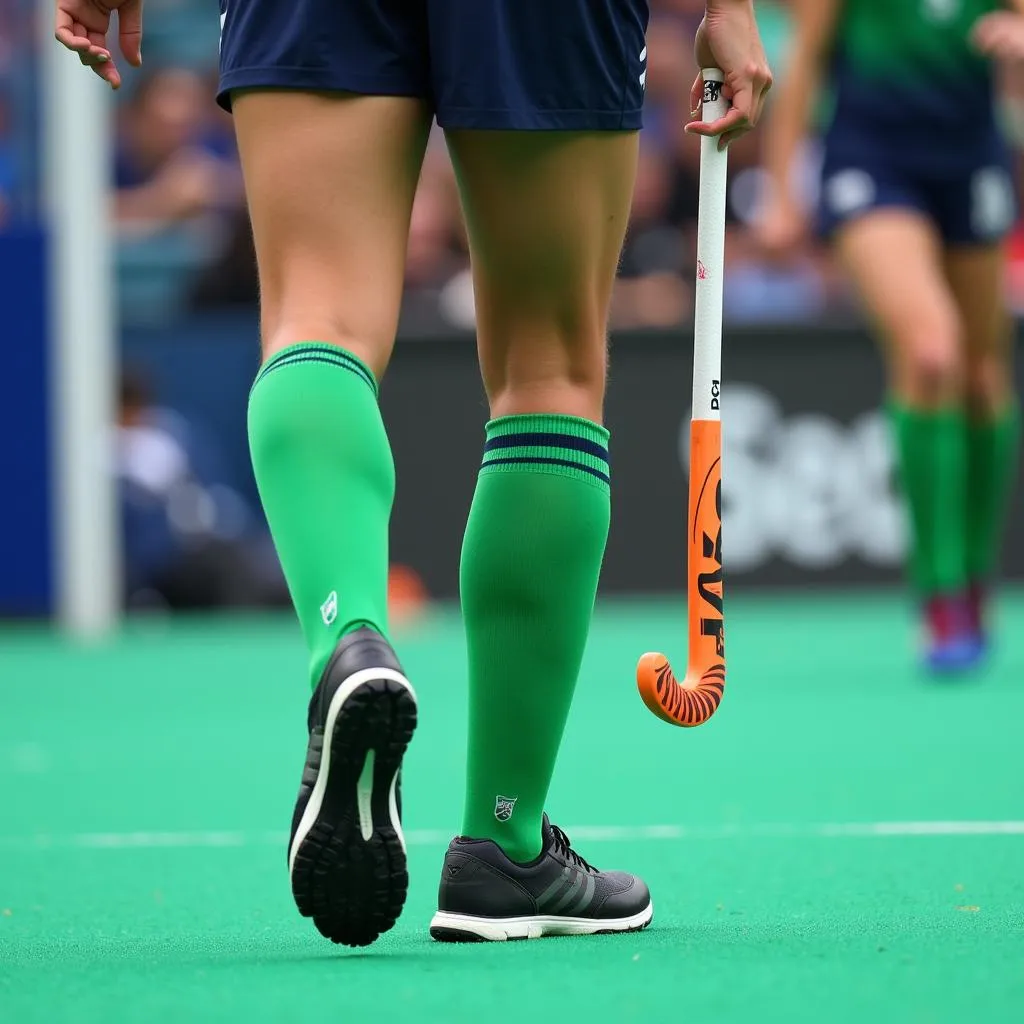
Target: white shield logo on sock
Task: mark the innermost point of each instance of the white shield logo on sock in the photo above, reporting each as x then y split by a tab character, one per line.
329	609
504	806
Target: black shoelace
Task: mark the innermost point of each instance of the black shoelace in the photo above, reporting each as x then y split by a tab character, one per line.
560	841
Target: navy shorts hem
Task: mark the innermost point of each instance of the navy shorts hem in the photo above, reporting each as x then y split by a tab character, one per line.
323	80
313	80
828	225
951	238
540	120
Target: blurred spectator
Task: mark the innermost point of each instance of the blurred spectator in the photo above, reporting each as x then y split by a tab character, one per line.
165	173
655	287
670	73
190	540
768	288
652	291
438	287
177	191
436	240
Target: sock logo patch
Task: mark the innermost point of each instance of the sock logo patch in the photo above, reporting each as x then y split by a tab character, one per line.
329	609
504	806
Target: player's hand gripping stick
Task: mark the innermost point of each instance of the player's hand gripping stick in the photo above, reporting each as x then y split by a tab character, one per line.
696	698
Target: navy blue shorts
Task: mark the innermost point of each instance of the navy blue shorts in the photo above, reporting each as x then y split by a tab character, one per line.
490	64
966	190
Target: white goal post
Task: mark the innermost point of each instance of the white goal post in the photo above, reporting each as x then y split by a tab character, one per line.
76	160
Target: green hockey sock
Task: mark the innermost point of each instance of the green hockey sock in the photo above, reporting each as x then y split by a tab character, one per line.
933	464
326	478
992	462
530	564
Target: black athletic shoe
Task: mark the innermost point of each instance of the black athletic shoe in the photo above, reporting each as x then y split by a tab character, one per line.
347	853
484	896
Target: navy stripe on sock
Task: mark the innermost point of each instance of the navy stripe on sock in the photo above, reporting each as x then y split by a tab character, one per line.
533	460
328	353
309	348
336	358
579	444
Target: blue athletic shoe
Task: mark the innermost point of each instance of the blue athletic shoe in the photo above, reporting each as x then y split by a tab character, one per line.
951	645
949	657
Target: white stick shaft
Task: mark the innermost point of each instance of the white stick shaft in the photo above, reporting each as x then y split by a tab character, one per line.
707	320
83	350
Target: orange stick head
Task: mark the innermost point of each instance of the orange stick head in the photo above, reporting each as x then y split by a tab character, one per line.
694	700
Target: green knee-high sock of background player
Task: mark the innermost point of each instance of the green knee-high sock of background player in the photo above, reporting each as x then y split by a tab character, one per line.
931	447
530	564
993	449
326	478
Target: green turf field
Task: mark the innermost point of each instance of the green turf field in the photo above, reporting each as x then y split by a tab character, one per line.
843	842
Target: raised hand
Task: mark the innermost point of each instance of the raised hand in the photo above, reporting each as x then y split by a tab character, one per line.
82	27
1000	35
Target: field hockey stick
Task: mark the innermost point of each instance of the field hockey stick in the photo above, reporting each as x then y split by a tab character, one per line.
694	700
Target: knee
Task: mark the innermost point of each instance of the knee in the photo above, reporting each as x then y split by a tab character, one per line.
328	327
555	370
929	366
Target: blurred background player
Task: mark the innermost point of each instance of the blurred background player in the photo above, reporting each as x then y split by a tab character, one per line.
541	107
917	196
190	539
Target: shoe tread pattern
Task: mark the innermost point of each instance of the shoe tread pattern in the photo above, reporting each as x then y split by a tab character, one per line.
353	888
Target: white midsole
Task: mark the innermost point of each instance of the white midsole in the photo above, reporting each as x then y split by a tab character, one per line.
364	796
498	929
316	798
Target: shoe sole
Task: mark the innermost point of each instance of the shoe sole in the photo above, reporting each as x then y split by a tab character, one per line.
447	927
347	858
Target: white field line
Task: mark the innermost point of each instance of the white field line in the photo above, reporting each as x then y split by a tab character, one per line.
223	839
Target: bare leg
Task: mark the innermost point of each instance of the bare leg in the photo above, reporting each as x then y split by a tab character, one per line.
330	181
993	429
896	261
546	214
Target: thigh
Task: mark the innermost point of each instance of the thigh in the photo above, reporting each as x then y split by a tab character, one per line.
546	214
568	65
895	260
330	180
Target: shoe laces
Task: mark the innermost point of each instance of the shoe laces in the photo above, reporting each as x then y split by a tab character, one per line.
560	841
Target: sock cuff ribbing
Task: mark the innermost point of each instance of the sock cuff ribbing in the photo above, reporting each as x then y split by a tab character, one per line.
548	443
318	352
